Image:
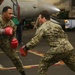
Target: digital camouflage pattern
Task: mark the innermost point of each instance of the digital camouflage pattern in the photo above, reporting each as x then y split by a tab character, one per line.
50	59
5	44
60	47
55	36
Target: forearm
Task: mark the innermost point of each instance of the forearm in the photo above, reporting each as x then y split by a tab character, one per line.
2	31
34	41
14	29
14	34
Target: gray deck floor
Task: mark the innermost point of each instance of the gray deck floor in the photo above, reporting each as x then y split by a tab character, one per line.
32	60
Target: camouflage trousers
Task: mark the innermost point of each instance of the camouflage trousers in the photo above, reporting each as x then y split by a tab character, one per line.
50	59
12	55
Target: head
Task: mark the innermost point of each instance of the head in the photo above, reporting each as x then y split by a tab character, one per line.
44	16
7	13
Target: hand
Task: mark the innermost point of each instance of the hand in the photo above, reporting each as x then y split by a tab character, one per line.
23	51
14	43
2	31
8	31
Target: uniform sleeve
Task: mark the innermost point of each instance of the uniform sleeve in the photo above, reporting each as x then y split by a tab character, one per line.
14	27
35	40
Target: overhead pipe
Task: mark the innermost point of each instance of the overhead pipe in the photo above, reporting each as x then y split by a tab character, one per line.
18	7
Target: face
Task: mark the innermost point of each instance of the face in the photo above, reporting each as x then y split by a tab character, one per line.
40	19
8	14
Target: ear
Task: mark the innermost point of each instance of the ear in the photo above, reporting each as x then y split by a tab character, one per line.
44	18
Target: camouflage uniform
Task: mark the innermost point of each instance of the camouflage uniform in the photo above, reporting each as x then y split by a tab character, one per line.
60	47
5	45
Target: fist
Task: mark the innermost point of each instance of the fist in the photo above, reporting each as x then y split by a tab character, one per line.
23	52
14	43
8	31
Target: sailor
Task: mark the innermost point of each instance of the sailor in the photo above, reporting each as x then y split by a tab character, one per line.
8	41
60	47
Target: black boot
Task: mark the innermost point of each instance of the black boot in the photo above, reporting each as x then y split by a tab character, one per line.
23	73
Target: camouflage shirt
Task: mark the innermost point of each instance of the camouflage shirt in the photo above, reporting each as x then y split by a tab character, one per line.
54	34
3	25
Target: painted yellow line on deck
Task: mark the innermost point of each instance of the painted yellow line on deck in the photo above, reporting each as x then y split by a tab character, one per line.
41	54
14	68
31	66
26	67
36	53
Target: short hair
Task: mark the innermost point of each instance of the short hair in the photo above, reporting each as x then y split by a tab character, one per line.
6	8
45	14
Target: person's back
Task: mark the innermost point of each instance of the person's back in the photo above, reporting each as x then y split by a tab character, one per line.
55	36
